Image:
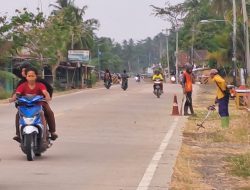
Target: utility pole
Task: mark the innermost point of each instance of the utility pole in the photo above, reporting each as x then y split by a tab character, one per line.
149	59
167	35
234	59
99	66
245	19
72	41
192	48
138	62
176	55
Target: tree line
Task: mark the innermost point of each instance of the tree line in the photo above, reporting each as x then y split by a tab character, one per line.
50	37
214	35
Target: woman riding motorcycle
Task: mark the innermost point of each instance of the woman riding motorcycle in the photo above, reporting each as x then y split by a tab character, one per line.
32	87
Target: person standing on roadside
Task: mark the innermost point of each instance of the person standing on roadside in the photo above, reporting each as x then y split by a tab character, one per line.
222	97
187	85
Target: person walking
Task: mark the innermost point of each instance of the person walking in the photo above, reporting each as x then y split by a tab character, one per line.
222	97
187	81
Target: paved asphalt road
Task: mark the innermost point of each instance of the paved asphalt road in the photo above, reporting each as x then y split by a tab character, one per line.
108	140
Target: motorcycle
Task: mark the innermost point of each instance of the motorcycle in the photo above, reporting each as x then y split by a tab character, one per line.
157	88
137	79
35	138
107	84
124	84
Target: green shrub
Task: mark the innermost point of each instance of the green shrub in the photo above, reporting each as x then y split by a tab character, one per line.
93	78
4	94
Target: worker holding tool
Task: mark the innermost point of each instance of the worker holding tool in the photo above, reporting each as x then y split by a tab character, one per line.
187	82
222	97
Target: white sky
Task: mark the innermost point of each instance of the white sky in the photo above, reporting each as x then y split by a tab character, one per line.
119	19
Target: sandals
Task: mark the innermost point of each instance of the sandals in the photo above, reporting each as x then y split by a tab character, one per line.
54	136
17	138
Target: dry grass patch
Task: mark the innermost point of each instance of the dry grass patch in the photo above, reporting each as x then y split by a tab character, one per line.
211	157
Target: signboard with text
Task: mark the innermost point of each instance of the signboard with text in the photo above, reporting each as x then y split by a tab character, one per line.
78	55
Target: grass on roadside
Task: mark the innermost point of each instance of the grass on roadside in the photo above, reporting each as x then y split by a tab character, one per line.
185	177
229	142
240	165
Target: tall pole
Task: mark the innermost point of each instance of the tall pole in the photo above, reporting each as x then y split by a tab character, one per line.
192	48
176	56
245	19
99	66
234	59
149	59
72	41
168	56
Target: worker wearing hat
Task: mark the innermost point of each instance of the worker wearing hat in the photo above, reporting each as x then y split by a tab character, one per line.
222	98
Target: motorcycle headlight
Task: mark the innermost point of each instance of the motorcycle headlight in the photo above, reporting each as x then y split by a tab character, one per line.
29	120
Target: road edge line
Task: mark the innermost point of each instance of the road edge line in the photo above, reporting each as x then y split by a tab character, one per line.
150	171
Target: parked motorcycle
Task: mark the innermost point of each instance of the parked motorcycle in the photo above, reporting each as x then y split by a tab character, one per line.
35	138
157	88
124	84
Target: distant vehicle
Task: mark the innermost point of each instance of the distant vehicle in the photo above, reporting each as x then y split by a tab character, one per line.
124	85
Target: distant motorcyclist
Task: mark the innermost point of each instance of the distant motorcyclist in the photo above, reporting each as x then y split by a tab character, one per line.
107	76
158	76
124	77
138	77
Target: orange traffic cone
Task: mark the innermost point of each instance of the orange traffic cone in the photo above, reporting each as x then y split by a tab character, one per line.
175	110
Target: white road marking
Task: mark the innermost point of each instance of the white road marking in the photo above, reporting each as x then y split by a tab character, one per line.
149	173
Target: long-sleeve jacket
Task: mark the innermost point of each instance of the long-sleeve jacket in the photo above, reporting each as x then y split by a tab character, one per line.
222	84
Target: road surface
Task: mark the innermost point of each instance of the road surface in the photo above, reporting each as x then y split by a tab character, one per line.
108	140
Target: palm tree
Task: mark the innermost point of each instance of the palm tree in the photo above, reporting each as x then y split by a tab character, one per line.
221	6
81	31
61	4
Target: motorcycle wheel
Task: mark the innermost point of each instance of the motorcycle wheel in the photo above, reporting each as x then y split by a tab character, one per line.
158	94
107	86
124	87
29	145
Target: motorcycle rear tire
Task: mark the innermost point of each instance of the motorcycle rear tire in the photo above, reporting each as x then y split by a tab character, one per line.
158	93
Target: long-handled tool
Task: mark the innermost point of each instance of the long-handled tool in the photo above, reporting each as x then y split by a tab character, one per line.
210	109
182	101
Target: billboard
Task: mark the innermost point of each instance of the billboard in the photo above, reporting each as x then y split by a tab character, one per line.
78	55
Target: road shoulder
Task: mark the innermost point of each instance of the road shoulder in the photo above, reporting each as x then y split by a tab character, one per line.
207	155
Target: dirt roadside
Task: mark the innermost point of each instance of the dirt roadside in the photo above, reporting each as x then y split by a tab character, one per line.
209	158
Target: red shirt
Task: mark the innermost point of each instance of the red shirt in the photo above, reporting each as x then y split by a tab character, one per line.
25	90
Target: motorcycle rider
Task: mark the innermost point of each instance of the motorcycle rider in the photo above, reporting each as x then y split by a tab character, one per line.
187	81
107	76
32	87
138	77
124	76
158	76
